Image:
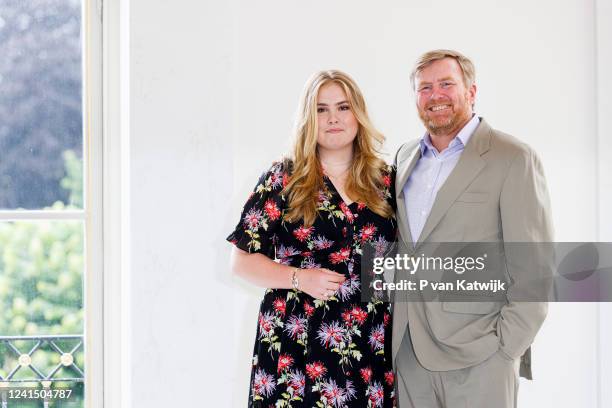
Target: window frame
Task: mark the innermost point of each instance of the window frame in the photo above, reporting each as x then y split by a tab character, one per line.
115	63
91	213
93	201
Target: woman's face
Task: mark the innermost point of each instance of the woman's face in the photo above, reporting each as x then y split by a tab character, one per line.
337	124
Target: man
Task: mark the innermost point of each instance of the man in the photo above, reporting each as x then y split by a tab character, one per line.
465	181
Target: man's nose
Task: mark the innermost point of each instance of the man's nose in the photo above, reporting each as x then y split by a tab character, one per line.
436	93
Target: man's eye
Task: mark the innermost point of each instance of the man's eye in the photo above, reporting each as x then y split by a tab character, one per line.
446	84
424	88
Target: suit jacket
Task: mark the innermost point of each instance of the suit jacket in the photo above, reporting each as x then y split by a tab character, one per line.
496	193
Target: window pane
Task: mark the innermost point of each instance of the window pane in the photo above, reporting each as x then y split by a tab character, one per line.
41	277
41	305
41	132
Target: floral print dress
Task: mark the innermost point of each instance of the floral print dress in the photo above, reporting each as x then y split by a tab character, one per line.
318	353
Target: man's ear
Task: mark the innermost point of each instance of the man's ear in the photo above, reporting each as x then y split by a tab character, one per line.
472	93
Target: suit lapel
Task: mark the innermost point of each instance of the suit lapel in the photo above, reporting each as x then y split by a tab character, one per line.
469	165
400	303
404	170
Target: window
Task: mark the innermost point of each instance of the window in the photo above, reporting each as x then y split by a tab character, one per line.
49	213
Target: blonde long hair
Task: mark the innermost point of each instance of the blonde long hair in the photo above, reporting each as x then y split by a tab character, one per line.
365	178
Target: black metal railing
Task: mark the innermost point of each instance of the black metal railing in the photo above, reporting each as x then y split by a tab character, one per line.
28	371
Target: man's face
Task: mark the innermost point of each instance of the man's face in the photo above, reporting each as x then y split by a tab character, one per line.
443	101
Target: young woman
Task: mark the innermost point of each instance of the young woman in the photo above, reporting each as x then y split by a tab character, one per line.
318	344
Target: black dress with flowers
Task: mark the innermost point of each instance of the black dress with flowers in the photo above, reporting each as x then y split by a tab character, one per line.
308	352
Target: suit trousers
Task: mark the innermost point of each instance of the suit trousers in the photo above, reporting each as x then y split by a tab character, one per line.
490	384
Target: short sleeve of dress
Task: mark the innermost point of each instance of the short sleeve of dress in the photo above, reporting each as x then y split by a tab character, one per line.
262	214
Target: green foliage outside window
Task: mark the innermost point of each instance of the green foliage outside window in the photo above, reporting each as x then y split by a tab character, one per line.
41	283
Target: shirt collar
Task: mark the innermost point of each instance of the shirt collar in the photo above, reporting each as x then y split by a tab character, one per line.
462	137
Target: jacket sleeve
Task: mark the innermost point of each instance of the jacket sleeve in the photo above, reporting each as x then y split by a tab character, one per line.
528	235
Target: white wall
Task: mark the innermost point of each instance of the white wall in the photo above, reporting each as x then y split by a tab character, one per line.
181	178
604	144
214	87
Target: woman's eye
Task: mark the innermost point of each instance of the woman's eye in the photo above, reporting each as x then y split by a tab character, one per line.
320	110
345	108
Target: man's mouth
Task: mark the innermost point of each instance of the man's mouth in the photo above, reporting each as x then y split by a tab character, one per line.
437	108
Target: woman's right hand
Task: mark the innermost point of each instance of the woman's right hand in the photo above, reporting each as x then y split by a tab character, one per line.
320	283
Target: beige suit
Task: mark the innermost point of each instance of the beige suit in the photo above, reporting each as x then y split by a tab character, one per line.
496	193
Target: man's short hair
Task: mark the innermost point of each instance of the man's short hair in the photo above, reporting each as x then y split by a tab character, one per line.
467	67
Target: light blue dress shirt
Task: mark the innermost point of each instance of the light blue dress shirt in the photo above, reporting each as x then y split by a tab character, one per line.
430	173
